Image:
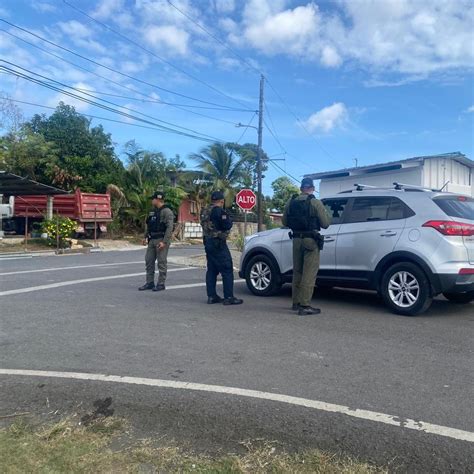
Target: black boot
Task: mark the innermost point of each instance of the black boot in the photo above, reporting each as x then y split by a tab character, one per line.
232	301
214	299
159	287
308	310
295	307
146	286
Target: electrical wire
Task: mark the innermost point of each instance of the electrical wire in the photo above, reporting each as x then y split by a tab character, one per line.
112	69
119	112
255	69
84	114
247	127
147	100
160	58
215	38
108	102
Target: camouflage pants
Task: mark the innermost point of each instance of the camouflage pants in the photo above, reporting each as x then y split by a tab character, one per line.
305	270
151	256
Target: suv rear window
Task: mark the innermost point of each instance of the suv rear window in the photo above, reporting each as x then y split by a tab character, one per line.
456	206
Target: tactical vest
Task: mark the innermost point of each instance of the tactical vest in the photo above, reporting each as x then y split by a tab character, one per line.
208	228
299	217
155	228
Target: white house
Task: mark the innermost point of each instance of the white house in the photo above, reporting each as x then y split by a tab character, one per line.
432	172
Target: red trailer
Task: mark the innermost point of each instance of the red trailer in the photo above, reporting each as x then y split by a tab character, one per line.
87	209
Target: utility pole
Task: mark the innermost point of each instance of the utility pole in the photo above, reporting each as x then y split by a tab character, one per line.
259	159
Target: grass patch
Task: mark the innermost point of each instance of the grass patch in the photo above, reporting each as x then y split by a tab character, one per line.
71	447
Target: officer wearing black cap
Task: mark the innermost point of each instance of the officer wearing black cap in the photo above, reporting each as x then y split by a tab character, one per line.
216	225
159	227
305	216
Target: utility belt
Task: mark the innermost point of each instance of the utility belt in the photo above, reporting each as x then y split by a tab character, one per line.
312	234
156	235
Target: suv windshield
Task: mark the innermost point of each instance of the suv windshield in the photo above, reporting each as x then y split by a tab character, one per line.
456	206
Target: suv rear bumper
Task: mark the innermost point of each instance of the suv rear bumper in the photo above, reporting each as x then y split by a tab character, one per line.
454	283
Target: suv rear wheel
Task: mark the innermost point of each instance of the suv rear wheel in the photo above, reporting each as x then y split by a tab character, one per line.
262	276
460	298
406	289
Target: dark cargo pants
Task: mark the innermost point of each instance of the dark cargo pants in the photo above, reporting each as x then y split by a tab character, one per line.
219	260
151	256
305	270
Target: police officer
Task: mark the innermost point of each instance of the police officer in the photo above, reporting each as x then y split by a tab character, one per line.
305	216
159	225
216	225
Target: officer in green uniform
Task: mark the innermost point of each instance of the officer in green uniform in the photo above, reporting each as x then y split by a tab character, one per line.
305	216
159	225
216	225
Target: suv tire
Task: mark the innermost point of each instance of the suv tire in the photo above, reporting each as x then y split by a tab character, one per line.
406	289
460	298
262	276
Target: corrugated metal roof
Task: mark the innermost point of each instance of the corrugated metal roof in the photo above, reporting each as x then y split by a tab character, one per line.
13	185
392	165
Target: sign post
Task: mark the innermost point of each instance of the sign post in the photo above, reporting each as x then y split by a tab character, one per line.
246	200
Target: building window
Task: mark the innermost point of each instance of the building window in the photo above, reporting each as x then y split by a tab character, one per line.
193	207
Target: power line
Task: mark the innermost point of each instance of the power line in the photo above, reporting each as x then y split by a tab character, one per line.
215	38
110	109
180	107
108	102
147	100
85	115
298	120
251	66
280	169
247	127
112	69
138	45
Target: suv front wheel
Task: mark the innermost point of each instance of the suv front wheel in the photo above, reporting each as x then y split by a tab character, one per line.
406	289
262	276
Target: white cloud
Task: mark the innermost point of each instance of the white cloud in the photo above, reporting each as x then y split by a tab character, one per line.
44	7
81	35
169	38
402	36
224	6
289	31
106	8
330	57
470	109
328	118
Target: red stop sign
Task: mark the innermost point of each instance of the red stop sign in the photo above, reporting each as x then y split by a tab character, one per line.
246	199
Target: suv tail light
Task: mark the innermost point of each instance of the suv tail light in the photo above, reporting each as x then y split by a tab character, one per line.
451	227
466	271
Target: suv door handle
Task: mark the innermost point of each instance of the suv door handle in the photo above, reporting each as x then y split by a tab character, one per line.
388	233
329	238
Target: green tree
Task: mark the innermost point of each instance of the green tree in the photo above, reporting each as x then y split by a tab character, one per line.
29	155
223	166
83	151
283	189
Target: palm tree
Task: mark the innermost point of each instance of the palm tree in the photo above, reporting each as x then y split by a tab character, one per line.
222	166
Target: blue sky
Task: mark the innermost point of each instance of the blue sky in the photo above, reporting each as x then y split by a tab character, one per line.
375	80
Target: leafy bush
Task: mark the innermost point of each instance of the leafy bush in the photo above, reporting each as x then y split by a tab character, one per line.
61	227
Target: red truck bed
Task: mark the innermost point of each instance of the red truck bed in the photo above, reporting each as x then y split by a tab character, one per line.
82	207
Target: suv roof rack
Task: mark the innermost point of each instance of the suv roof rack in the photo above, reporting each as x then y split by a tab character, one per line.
413	187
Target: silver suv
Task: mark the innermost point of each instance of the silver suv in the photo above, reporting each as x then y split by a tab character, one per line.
406	243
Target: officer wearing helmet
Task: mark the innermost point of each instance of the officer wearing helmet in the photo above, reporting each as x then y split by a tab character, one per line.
159	228
216	225
305	216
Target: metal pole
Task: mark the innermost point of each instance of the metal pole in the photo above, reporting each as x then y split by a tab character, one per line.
259	158
57	232
95	226
245	223
26	230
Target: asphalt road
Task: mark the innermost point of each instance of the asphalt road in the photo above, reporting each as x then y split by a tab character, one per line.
355	354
